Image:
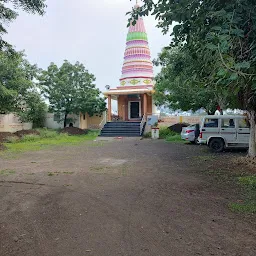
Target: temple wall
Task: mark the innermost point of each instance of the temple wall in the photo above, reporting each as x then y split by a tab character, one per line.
123	105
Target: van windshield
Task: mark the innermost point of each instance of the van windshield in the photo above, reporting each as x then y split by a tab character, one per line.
208	122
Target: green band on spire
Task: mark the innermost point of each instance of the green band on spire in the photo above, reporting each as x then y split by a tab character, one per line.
137	36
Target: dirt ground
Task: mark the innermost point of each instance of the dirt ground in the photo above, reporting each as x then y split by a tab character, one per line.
126	197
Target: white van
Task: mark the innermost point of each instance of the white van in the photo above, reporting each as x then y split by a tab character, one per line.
220	132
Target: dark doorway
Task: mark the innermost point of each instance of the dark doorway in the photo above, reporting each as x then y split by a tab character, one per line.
134	110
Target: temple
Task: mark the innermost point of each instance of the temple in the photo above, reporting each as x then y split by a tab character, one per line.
134	92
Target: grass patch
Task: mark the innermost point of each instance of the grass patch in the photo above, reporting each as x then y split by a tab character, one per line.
46	139
7	172
243	208
249	205
174	138
165	132
68	173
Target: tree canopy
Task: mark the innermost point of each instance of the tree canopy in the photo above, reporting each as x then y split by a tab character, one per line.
18	91
180	84
220	36
71	90
8	13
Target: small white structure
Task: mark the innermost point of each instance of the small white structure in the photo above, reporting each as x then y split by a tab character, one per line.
155	133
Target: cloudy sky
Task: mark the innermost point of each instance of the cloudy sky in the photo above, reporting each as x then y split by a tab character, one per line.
90	31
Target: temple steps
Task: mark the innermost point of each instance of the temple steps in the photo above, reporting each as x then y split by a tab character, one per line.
121	129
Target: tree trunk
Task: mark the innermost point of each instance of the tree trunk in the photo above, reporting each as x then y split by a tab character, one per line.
252	141
65	120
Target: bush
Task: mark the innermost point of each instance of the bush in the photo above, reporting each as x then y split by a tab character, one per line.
174	138
165	132
45	133
29	137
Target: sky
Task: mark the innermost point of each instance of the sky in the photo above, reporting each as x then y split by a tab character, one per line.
92	32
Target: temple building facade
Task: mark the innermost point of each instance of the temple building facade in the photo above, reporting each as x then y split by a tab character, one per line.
134	92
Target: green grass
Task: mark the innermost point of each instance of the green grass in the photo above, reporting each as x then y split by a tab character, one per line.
167	134
47	139
7	172
249	182
249	204
247	207
174	138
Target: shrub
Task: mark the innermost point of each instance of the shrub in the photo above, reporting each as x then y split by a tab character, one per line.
165	132
45	133
30	137
174	138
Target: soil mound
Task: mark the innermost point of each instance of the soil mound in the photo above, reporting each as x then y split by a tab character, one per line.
178	127
74	131
26	132
5	135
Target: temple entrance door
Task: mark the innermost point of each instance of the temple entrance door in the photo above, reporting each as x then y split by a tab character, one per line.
134	109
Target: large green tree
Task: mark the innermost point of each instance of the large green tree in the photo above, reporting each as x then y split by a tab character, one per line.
8	13
181	84
16	79
71	90
18	91
225	30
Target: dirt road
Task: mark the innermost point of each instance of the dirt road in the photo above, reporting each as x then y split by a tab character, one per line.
125	197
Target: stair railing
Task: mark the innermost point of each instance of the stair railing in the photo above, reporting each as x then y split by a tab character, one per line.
142	124
104	120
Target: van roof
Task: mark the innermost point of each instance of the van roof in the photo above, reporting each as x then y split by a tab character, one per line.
224	116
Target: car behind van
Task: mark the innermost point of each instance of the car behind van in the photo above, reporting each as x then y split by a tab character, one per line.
220	132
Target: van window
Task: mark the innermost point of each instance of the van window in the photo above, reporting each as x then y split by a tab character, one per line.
211	123
243	123
228	123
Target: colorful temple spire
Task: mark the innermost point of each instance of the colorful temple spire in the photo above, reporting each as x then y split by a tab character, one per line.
137	67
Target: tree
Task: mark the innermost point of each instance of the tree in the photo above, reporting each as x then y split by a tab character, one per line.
7	14
180	84
33	110
16	80
223	35
71	90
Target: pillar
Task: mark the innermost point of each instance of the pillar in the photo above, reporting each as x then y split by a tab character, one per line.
109	108
145	104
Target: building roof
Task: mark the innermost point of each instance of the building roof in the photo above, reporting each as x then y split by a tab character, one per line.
127	91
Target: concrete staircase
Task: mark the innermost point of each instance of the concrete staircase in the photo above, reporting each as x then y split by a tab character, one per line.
121	129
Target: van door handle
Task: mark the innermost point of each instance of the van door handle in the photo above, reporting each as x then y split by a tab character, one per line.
223	129
203	130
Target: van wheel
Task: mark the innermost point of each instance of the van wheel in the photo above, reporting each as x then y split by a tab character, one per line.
217	145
